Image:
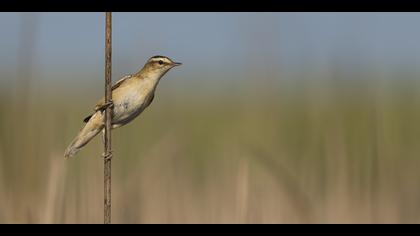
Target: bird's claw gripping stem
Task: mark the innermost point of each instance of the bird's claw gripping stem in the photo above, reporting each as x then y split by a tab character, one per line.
105	106
107	156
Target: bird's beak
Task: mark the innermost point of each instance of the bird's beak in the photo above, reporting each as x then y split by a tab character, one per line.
176	64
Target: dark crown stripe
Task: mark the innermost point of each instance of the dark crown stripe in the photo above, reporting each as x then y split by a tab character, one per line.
158	57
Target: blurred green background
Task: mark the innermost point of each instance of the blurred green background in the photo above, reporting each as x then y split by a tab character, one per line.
273	118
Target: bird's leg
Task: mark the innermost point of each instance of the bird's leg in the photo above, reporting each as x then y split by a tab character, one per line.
104	155
103	136
104	106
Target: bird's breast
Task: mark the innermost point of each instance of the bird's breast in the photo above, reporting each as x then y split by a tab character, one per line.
131	102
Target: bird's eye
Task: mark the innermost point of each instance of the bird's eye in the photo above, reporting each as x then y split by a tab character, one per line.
160	62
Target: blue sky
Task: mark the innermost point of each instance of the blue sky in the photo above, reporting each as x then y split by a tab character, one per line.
218	43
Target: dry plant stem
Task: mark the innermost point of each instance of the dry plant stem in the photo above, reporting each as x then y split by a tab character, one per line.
107	143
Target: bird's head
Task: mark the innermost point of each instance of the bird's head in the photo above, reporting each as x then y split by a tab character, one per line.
159	65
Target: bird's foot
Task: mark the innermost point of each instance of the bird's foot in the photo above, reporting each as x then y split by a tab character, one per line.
105	106
107	156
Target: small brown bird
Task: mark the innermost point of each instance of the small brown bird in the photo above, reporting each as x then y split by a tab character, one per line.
130	95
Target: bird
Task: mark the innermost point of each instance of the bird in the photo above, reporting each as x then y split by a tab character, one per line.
130	96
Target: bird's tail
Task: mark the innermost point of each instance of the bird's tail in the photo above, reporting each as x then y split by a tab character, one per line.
87	133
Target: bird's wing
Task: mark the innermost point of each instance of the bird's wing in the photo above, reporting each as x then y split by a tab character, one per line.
101	102
119	82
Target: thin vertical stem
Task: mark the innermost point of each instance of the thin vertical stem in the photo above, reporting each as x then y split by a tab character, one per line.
107	143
